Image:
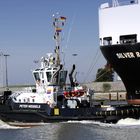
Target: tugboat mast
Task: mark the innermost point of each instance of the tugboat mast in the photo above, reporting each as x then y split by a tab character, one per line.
58	24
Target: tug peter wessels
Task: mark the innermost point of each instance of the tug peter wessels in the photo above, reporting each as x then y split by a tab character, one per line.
119	31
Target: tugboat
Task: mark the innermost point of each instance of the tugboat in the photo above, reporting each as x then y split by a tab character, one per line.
120	43
54	100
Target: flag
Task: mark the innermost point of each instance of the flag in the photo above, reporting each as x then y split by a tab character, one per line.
58	29
53	23
62	23
63	18
54	37
49	91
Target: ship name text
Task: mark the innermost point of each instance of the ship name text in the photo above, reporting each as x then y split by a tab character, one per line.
29	106
128	55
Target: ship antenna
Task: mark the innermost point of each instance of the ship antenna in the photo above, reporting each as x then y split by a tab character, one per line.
115	3
58	23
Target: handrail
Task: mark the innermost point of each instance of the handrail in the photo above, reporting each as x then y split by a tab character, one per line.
128	2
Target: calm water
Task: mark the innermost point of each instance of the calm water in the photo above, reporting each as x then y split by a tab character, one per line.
127	129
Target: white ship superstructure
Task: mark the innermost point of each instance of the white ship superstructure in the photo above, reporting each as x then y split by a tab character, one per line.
119	22
119	27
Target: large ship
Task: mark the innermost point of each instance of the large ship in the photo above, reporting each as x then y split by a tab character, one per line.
119	33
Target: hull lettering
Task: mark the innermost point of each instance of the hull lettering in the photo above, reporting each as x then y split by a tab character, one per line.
128	55
29	106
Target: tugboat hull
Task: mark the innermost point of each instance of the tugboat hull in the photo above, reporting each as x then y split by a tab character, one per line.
102	114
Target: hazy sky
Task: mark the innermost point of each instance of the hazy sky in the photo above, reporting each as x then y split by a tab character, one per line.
26	33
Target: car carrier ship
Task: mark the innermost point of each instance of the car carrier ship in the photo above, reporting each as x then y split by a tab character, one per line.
120	42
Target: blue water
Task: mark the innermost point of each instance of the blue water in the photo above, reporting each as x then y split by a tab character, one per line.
128	129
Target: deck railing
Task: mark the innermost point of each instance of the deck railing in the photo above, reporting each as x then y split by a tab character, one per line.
127	2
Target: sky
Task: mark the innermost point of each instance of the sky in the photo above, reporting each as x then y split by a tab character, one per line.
26	34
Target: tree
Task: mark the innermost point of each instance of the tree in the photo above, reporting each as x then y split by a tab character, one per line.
105	74
106	87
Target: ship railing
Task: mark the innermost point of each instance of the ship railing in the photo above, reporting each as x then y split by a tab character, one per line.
117	3
127	2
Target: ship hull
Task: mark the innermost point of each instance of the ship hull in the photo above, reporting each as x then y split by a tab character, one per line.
103	114
125	59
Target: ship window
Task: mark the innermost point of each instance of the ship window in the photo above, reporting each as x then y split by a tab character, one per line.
107	40
28	100
33	100
62	77
49	76
132	1
125	39
42	75
36	76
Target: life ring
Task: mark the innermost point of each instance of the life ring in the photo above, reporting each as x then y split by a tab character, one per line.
74	93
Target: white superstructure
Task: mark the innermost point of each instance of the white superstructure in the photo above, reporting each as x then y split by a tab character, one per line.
50	77
119	22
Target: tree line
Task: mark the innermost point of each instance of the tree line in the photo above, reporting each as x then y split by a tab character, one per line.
105	74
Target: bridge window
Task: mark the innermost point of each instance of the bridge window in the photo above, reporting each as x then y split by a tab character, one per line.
107	40
126	39
62	77
49	76
28	100
42	75
36	76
